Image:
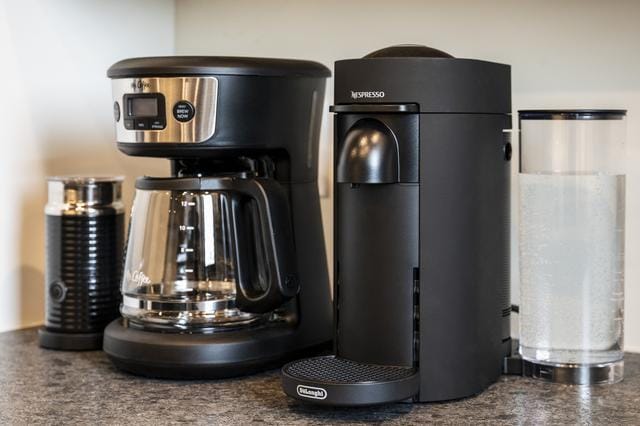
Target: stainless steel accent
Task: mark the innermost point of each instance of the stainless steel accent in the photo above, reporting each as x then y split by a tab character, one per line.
201	92
84	196
573	374
186	305
176	316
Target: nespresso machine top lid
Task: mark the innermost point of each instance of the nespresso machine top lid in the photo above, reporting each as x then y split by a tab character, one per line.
215	65
429	79
408	51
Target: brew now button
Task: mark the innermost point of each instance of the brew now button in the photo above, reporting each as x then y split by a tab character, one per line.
183	111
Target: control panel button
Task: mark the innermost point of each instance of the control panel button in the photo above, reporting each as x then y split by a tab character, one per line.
116	111
183	111
128	124
157	124
141	124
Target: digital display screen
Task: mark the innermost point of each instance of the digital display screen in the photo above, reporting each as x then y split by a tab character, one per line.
143	107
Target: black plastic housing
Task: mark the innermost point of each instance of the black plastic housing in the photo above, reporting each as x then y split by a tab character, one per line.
83	275
439	247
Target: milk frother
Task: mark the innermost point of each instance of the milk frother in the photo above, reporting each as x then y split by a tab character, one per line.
84	243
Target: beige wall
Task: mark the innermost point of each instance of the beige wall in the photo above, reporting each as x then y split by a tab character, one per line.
566	53
56	118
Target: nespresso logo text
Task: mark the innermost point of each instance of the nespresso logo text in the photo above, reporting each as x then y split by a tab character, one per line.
140	84
311	392
360	95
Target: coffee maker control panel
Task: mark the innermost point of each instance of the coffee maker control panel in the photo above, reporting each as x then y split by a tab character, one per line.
144	111
165	110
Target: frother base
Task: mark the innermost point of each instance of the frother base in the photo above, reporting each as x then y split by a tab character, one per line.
331	380
69	341
205	356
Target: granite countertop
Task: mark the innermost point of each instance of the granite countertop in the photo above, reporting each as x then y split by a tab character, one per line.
42	386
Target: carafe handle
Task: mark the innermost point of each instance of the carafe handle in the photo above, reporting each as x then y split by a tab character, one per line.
277	234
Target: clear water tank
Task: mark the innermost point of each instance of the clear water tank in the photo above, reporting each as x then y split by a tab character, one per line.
572	226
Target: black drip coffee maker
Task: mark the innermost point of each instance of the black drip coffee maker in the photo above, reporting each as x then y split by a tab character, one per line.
225	270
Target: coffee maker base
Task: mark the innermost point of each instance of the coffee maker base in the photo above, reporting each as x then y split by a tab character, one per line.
205	356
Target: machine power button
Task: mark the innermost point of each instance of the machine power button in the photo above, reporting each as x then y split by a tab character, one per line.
57	291
183	111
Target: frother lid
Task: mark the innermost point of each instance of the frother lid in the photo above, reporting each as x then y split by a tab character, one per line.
215	65
79	180
70	195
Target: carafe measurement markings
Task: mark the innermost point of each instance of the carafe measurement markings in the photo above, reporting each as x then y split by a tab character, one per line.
185	228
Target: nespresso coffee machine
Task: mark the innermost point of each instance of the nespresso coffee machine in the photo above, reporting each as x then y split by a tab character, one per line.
225	269
421	304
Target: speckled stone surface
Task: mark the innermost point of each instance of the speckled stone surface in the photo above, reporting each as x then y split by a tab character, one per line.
39	386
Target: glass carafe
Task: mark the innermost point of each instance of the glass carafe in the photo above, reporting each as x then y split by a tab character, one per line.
207	252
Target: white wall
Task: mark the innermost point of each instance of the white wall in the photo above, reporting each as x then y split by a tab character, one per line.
574	53
56	118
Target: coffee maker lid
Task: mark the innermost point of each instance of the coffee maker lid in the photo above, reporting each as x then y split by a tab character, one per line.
215	65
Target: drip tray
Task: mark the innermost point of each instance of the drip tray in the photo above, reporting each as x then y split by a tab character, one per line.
332	380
